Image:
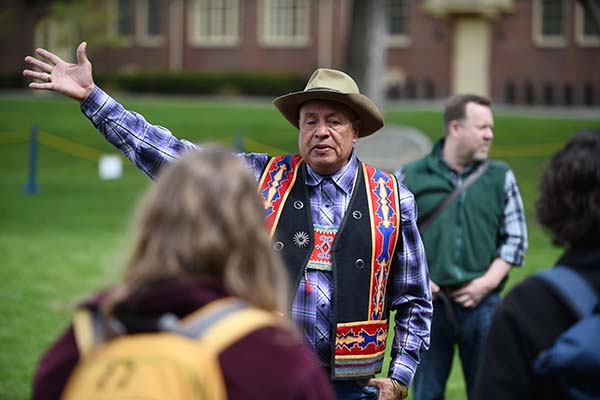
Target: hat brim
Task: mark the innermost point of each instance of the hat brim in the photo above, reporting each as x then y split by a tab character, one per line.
368	113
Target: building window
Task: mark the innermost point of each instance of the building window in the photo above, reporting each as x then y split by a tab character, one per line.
586	31
410	89
150	14
588	94
548	94
398	19
214	22
284	22
529	93
428	89
510	92
549	17
124	18
568	94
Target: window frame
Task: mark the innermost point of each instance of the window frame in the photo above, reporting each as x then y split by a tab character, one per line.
399	40
144	38
581	38
198	39
266	39
124	39
539	38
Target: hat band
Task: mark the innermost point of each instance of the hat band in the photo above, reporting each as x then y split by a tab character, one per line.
324	89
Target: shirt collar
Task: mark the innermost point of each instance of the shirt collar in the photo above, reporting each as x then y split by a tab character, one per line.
343	178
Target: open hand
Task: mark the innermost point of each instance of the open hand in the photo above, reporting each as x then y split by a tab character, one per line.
72	80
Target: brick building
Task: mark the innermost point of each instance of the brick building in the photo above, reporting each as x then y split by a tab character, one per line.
516	51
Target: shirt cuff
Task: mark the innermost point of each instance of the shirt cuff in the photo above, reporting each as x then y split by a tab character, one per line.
403	370
97	105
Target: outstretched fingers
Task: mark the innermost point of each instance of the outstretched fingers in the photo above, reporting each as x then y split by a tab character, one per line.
53	58
41	85
42	76
40	64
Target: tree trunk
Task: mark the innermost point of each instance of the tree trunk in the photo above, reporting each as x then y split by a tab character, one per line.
367	48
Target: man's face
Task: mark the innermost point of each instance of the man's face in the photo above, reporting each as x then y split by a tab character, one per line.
328	130
475	132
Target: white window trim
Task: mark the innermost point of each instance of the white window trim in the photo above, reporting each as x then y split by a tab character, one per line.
197	40
545	40
581	38
125	40
264	21
143	38
400	40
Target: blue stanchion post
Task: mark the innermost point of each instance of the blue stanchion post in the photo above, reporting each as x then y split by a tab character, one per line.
238	142
31	187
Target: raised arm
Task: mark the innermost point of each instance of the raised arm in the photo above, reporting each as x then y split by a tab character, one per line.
148	146
72	80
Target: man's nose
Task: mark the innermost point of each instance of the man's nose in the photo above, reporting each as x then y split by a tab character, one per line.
322	129
489	133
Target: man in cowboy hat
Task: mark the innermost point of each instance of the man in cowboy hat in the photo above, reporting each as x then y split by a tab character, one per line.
346	231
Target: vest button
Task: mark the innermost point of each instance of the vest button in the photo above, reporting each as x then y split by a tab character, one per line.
357	214
298	205
278	246
359	263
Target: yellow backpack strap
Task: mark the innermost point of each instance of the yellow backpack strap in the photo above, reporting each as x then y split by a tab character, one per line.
88	330
223	322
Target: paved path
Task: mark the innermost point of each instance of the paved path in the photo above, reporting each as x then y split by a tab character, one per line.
392	146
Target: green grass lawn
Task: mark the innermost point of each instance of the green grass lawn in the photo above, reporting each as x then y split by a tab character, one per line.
69	239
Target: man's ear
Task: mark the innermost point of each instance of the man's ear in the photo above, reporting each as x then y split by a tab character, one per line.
356	128
453	127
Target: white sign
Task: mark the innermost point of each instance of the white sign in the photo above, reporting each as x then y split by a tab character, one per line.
110	167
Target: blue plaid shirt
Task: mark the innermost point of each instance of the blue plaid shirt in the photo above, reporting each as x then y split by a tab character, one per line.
150	146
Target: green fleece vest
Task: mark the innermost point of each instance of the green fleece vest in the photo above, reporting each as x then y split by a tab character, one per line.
462	241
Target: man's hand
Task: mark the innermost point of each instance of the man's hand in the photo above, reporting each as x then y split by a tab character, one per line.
387	390
72	80
472	293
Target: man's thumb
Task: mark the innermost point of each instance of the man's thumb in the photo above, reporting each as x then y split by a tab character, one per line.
81	54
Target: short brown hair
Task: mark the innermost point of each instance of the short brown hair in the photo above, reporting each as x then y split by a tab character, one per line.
456	105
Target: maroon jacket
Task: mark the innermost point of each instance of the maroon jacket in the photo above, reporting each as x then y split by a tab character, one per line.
269	363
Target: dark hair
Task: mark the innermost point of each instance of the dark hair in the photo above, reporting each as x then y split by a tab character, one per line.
457	104
569	202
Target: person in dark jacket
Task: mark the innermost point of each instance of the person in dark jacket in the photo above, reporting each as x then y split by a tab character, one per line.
201	237
532	316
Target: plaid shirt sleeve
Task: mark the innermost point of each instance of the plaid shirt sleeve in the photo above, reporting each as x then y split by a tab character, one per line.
411	296
147	146
513	230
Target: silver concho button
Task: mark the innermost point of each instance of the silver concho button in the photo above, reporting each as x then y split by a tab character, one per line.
359	263
298	205
357	214
301	239
278	246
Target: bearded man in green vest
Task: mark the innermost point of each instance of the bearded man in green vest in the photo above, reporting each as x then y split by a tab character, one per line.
346	231
471	244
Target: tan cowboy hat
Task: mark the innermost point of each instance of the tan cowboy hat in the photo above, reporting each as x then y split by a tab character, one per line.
329	84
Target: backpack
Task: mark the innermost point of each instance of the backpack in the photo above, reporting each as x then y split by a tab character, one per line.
574	358
178	363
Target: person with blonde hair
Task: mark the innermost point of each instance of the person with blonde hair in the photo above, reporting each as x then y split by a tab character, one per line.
201	238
